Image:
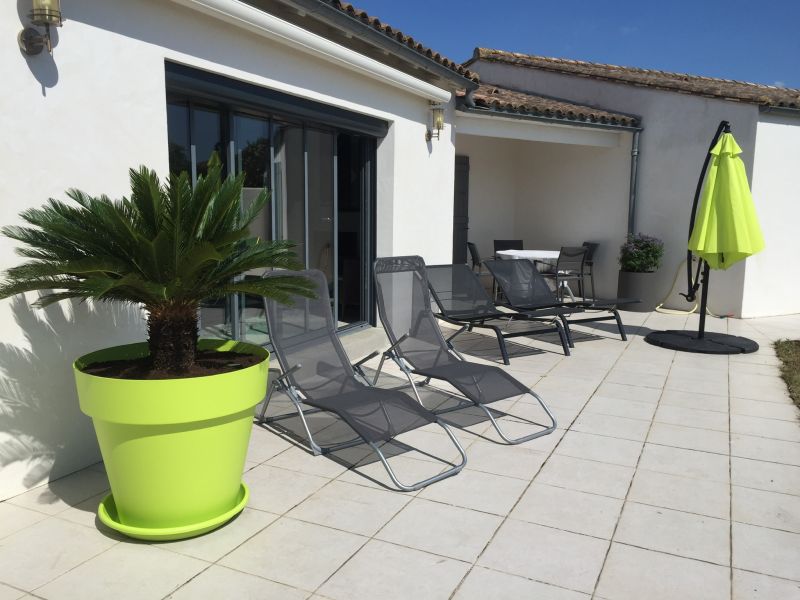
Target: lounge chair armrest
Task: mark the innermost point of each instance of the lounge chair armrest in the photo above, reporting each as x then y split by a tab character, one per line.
397	343
288	372
369	356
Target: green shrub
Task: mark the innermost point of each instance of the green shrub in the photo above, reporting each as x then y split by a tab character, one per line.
641	253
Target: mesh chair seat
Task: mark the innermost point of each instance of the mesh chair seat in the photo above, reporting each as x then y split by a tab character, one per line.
480	383
376	414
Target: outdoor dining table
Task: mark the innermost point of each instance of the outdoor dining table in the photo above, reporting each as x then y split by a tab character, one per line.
542	255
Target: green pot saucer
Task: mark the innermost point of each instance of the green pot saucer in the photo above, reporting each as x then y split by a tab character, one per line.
107	512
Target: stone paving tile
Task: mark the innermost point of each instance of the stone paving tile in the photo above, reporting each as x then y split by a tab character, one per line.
689	438
766	410
766	551
441	529
13	518
767	509
619	407
118	573
526	549
754	586
601	448
522	462
619	427
61	494
711	498
688	463
586	476
695	400
349	507
277	490
482	584
9	593
569	510
692	417
213	547
37	554
478	491
219	582
767	428
759	448
637	574
294	553
767	476
390	572
675	532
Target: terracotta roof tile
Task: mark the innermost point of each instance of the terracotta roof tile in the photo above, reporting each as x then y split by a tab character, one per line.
726	89
506	100
398	35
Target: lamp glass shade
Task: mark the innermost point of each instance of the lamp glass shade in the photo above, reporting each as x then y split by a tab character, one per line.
46	12
438	117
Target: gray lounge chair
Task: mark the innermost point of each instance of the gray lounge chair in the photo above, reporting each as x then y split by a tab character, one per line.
317	372
418	347
526	289
464	302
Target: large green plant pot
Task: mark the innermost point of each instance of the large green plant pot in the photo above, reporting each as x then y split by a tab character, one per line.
174	449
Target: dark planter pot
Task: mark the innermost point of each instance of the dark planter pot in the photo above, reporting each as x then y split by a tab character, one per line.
642	286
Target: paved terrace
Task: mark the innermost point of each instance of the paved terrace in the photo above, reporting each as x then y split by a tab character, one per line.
671	476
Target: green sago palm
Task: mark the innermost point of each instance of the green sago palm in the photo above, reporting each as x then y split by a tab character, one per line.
166	248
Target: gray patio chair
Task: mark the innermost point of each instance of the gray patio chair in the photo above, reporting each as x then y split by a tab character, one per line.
525	289
588	266
569	266
317	372
463	301
418	347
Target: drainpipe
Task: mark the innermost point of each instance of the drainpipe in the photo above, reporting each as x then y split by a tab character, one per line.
634	174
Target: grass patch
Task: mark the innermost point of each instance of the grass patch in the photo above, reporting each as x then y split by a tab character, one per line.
788	352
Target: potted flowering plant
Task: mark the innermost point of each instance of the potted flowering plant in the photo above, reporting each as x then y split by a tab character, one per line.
172	415
639	258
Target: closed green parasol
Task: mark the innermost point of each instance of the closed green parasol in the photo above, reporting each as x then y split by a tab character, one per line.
726	229
722	232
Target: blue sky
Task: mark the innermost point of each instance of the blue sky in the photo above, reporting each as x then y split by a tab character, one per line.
746	40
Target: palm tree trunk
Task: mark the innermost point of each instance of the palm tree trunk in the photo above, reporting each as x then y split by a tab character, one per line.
172	337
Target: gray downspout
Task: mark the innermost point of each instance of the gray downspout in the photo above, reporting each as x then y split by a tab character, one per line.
634	177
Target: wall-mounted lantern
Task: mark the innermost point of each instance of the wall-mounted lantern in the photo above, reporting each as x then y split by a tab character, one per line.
437	122
45	13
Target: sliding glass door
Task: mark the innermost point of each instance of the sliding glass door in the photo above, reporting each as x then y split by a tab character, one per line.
321	198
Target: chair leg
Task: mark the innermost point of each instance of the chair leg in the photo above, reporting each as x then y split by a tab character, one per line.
532	436
501	342
567	332
619	325
425	482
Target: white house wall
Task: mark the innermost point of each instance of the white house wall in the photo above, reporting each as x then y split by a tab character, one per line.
95	108
677	132
772	282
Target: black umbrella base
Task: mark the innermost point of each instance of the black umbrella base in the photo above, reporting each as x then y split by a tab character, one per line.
710	343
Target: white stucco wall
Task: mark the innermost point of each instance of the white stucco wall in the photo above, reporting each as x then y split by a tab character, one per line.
677	132
550	195
772	282
95	108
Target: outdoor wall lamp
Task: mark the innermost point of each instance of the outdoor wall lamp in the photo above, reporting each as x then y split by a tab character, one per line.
44	12
437	122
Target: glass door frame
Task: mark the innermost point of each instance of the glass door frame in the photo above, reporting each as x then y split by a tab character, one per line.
228	112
